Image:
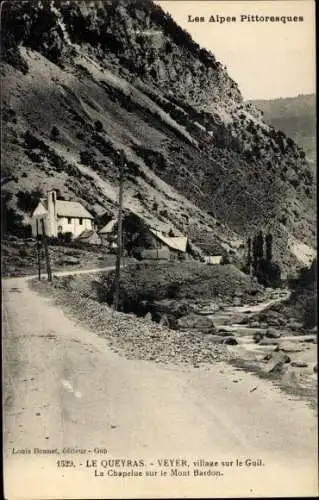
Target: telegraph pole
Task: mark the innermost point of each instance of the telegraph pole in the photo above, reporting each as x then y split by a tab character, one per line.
119	236
38	251
46	251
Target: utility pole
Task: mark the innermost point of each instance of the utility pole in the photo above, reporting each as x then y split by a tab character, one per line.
119	235
38	251
46	251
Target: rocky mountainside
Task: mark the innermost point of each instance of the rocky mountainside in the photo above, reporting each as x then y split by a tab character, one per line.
82	80
296	116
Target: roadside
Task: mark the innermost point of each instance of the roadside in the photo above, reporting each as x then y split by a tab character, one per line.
212	334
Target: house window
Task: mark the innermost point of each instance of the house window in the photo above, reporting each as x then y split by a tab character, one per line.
80	221
69	220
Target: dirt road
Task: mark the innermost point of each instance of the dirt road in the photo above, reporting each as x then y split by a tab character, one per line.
64	388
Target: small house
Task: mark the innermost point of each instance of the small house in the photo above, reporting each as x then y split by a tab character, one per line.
60	216
90	237
213	260
108	232
153	244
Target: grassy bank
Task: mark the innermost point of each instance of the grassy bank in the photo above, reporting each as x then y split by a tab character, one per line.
180	281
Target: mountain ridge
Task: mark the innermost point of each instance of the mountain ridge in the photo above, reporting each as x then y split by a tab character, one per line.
296	116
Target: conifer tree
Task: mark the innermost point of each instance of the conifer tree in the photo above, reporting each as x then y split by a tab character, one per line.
269	247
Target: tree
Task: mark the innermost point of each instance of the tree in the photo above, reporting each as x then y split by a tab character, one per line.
260	245
249	256
55	133
255	255
269	247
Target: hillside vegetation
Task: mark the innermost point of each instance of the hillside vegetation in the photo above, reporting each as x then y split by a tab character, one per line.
83	80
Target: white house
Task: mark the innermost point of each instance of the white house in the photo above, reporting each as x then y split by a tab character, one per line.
213	259
61	216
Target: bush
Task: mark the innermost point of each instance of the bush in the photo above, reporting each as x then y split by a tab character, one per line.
55	133
28	200
98	126
269	273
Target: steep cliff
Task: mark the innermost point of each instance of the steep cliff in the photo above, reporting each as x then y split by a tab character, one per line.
82	80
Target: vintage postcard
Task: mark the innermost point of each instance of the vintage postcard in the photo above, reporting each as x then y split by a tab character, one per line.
158	249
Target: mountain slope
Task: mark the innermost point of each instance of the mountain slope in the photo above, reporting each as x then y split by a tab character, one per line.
82	81
296	116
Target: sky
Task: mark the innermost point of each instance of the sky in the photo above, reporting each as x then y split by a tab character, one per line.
267	60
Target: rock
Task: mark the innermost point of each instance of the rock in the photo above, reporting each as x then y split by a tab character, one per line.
258	337
295	325
299	364
148	316
277	367
230	341
254	324
236	301
224	333
290	347
243	321
310	340
195	321
277	357
238	293
281	321
274	322
271	333
263	325
164	321
268	342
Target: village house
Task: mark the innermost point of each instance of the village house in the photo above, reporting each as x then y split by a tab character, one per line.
61	216
144	242
108	233
213	260
90	237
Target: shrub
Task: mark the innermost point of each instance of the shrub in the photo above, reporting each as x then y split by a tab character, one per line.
269	273
98	126
55	133
28	200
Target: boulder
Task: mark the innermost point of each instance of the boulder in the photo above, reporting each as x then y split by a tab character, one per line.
195	321
277	357
263	325
272	333
148	316
230	341
164	321
290	347
274	322
277	368
236	301
295	325
254	324
224	333
268	342
299	364
258	337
